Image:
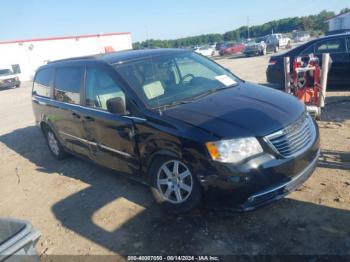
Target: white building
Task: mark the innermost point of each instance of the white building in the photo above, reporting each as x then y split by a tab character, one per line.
339	23
25	56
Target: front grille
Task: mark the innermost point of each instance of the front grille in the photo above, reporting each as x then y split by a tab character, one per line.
10	80
294	139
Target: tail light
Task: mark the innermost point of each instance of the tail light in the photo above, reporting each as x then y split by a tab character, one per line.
272	62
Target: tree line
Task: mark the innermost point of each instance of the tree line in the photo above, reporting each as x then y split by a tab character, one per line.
315	24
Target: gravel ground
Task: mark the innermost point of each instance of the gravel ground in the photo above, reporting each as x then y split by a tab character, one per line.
83	209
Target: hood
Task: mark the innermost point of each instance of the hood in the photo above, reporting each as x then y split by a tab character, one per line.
244	110
4	77
252	44
255	45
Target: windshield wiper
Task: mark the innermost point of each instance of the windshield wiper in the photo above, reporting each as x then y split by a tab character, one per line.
211	91
174	103
191	99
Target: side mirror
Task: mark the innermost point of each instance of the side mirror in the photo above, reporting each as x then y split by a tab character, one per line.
116	105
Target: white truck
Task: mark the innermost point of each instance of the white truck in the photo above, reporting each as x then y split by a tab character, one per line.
278	41
8	78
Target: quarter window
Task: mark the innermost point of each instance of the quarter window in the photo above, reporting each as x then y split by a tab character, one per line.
67	84
331	46
100	87
42	83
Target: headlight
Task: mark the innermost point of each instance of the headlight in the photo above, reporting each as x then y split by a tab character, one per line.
234	150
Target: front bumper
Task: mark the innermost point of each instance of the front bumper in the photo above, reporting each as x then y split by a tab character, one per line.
279	191
10	84
257	182
253	52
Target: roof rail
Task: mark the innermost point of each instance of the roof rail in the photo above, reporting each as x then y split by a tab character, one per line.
74	59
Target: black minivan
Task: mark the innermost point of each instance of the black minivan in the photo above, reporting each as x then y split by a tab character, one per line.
179	122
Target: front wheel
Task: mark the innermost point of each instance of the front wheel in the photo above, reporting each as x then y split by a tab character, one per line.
174	186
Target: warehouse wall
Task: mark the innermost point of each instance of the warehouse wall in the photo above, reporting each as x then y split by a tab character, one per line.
341	22
29	55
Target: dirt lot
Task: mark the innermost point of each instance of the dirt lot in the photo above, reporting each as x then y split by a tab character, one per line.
83	209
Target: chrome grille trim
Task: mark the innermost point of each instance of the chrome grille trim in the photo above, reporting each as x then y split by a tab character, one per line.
295	139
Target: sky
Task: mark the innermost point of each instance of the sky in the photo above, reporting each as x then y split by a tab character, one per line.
145	19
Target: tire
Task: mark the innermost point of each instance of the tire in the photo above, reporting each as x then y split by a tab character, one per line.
54	144
176	190
276	49
17	86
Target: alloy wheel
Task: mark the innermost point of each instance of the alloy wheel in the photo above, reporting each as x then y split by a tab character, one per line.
174	181
53	143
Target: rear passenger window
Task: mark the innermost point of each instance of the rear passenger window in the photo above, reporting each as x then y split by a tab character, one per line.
100	87
331	46
67	84
42	83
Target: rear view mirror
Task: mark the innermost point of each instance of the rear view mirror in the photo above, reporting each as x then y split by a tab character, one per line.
116	106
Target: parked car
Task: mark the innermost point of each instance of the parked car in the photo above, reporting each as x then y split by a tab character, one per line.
8	78
231	49
219	46
255	47
278	41
337	45
300	36
179	122
205	50
17	241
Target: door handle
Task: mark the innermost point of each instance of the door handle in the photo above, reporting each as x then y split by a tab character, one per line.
75	115
89	118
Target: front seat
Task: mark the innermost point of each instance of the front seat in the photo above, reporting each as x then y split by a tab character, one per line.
152	88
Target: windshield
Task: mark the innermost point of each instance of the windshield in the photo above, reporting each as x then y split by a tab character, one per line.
251	42
5	72
171	79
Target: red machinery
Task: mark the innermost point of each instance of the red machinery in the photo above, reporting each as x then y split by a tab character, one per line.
305	83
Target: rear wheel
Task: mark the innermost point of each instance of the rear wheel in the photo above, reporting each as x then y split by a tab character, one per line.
54	145
174	186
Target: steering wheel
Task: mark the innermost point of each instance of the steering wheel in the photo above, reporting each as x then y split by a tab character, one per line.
186	76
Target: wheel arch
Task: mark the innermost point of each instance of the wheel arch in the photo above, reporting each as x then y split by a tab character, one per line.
158	154
45	125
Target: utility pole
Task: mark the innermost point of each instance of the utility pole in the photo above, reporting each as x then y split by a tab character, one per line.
248	27
147	36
